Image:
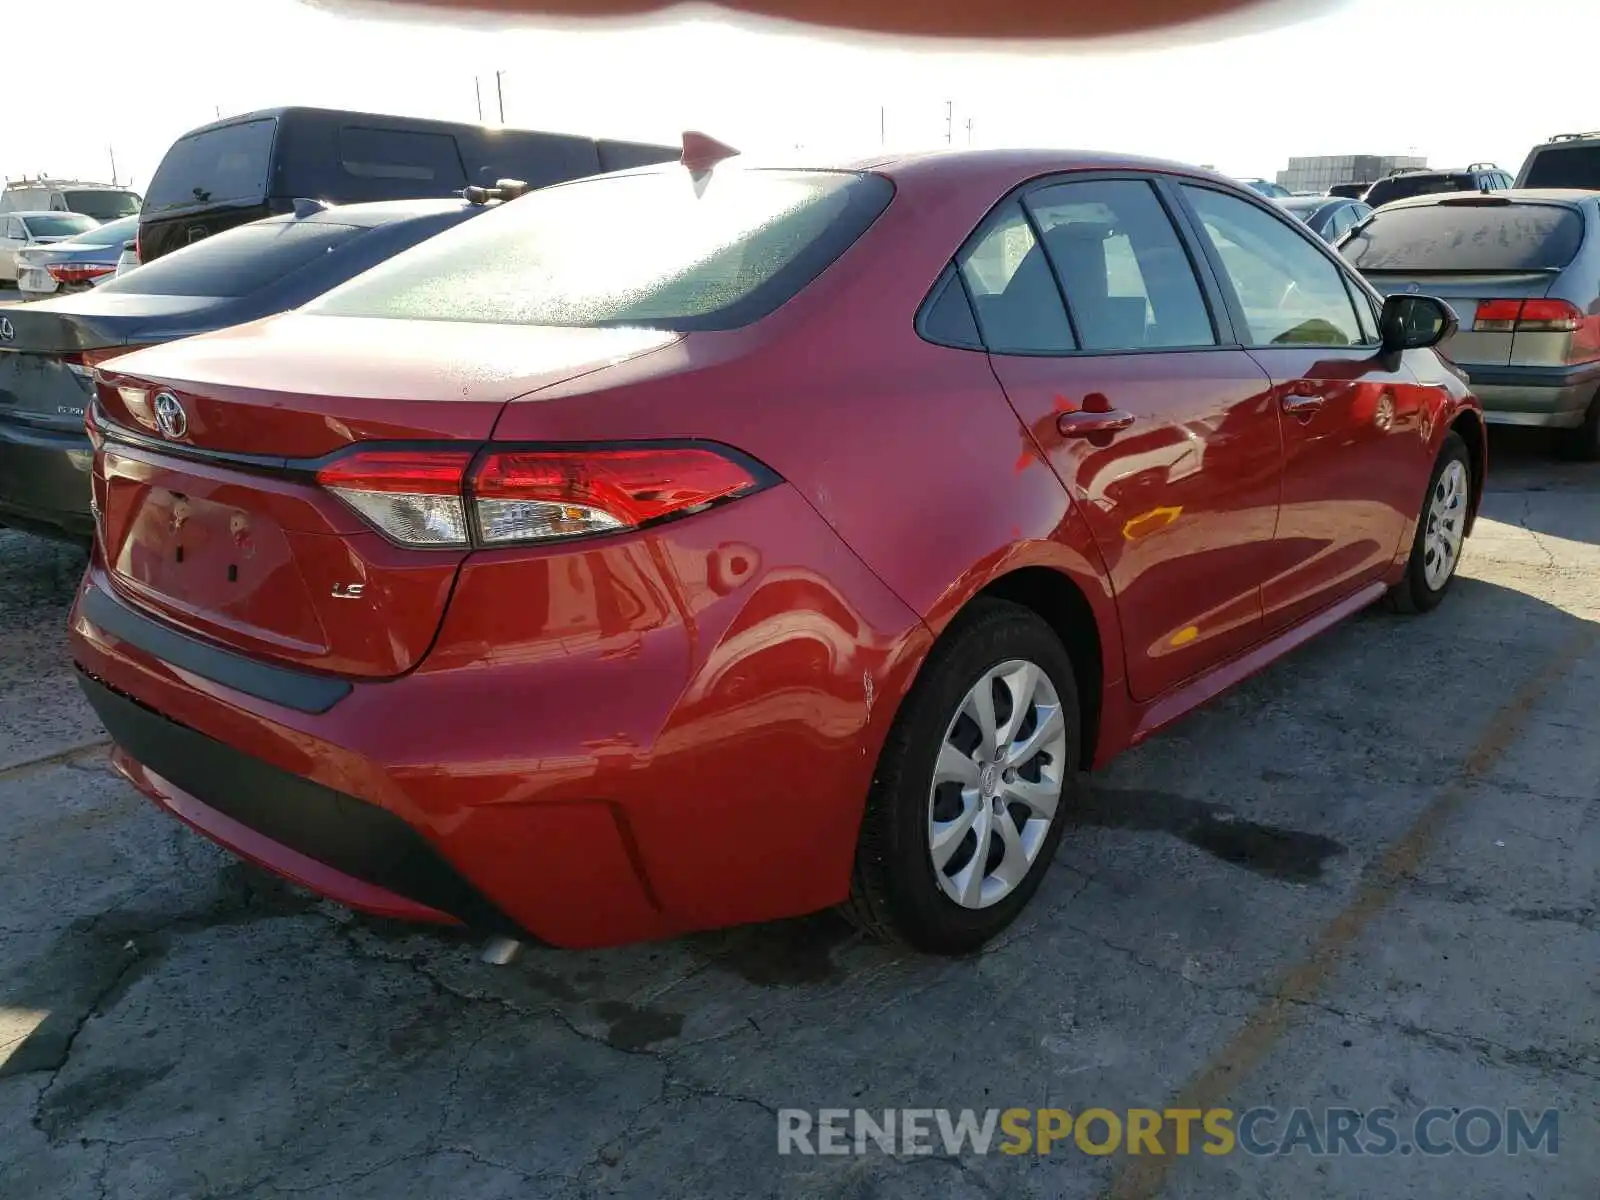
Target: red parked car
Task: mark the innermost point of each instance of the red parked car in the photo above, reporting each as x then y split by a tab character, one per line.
706	544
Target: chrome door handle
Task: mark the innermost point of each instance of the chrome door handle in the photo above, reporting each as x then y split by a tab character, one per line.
1299	405
1083	424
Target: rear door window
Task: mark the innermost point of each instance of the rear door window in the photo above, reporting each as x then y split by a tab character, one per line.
235	263
430	159
1129	283
1014	293
1486	237
227	165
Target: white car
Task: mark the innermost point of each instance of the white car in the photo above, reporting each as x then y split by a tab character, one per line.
19	230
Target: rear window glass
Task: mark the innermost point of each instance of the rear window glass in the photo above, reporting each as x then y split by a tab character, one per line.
220	166
663	250
1404	186
1466	238
59	224
235	263
430	158
1565	167
103	205
112	233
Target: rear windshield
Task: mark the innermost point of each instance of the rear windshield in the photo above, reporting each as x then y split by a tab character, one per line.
112	233
1565	167
103	204
659	249
59	224
235	263
1466	238
220	166
1403	186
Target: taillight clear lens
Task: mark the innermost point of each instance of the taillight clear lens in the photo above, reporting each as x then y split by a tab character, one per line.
538	495
411	496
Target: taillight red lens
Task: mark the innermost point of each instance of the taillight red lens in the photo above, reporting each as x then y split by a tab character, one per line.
536	495
412	496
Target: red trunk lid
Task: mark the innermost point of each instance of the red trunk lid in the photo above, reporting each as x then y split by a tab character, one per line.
219	526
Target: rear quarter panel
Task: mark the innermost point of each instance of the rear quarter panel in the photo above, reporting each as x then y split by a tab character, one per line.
909	451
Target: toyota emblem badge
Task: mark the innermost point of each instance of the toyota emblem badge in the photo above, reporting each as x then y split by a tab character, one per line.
170	417
7	331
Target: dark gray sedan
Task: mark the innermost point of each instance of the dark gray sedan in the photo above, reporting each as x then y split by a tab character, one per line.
1329	217
50	348
1522	270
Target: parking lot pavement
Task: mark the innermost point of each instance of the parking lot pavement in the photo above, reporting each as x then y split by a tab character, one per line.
1367	878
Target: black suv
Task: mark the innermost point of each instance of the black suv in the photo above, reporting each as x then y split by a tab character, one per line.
1405	182
1568	160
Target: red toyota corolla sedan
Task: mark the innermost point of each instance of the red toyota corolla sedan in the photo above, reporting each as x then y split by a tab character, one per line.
706	544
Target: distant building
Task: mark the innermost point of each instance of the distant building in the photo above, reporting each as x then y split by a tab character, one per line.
1319	173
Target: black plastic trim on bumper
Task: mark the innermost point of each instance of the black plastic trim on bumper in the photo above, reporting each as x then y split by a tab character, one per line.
292	689
359	839
1540	377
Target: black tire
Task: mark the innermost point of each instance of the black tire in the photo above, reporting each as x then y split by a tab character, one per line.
1413	593
894	895
1583	443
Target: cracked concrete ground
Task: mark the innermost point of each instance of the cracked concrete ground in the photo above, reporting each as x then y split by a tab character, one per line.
1366	878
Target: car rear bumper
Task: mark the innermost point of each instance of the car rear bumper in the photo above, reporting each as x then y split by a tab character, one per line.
697	756
44	480
1550	397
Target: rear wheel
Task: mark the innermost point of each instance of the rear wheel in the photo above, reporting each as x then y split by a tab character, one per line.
1582	443
967	805
1441	531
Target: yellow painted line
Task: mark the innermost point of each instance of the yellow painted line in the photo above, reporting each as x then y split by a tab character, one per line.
1144	1177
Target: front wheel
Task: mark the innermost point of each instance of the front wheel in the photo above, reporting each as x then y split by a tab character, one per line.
968	801
1441	532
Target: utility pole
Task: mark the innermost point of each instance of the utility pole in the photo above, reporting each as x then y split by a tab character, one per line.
949	120
113	152
500	93
883	125
477	91
969	131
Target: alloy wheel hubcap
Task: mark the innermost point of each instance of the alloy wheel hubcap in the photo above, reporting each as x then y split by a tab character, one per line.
1447	510
996	784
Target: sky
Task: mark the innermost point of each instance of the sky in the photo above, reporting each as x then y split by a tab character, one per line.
1453	80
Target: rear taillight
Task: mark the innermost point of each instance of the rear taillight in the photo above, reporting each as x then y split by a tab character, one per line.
1527	316
535	495
1497	316
80	272
1543	316
1549	316
528	496
411	496
83	363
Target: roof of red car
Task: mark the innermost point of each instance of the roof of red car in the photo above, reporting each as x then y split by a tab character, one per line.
1000	168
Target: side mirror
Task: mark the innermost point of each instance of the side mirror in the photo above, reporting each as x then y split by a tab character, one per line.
1415	322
